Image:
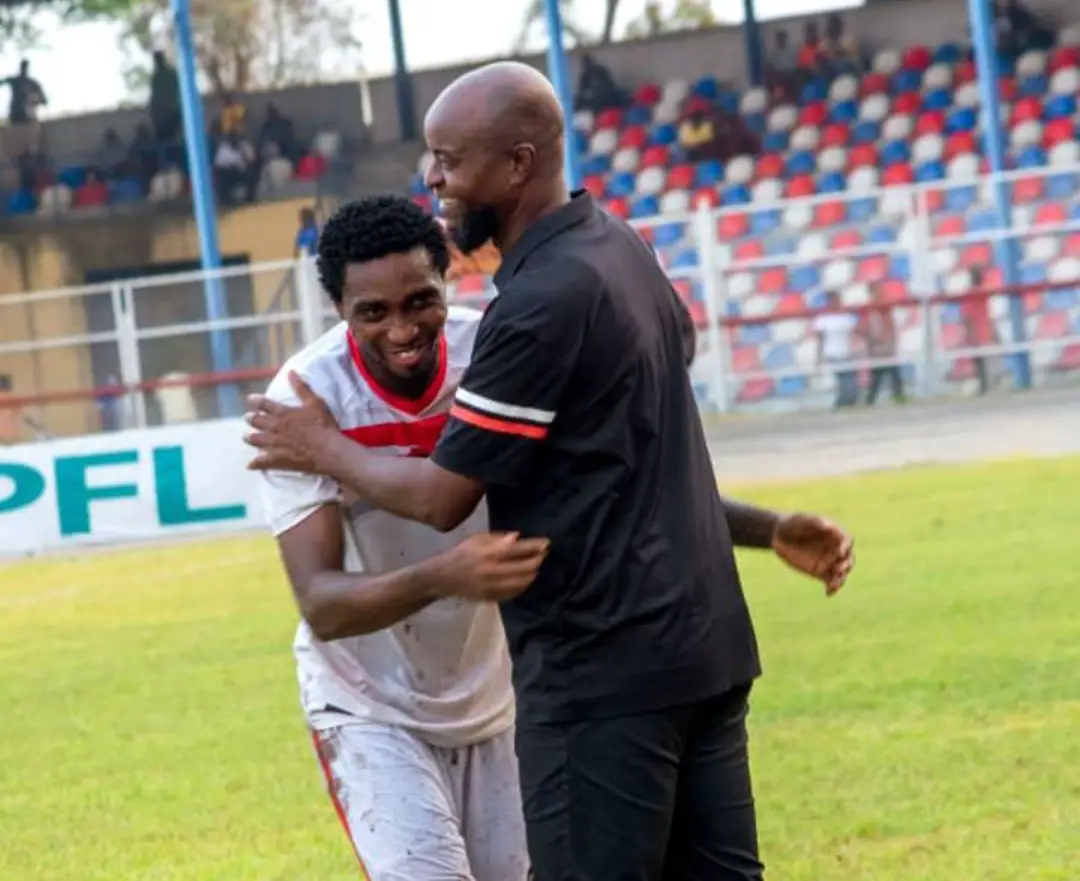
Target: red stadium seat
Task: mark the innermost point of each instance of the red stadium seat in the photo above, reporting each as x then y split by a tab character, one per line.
618	207
980	254
799	186
745	359
648	94
917	58
1027	189
814	114
93	194
907	103
848	238
311	167
894	290
835	135
993	279
1070	247
790	304
1058	131
873	269
959	143
932	122
964	72
1007	88
633	136
897	175
698	314
610	117
754	390
1051	213
647	232
656	155
830	213
1033	302
1064	56
1069	359
949	227
1025	110
695	103
751	249
935	200
682	287
681	177
594	183
772	281
1052	326
862	155
873	84
732	226
770	166
707	195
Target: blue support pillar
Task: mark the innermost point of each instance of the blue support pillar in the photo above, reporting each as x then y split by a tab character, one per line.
202	192
986	59
559	73
752	37
402	81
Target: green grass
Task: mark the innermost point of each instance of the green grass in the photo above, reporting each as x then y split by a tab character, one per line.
922	725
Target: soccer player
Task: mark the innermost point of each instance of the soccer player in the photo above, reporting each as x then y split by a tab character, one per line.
634	652
403	664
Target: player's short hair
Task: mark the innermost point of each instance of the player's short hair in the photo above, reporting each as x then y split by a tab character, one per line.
374	227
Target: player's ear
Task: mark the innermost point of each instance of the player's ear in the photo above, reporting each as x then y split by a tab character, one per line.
523	159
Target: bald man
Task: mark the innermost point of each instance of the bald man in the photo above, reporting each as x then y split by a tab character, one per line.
633	649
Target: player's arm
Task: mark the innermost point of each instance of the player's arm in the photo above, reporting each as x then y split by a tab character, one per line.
749	525
337	604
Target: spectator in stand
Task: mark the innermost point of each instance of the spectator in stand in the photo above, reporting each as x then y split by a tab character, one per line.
277	136
235	170
979	330
143	155
810	55
697	136
164	100
27	95
307	237
92	194
836	333
782	74
1019	29
597	89
840	52
112	160
880	332
233	115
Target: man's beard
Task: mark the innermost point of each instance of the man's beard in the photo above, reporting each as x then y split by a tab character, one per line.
476	229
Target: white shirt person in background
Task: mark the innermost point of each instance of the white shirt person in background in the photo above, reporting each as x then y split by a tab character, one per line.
837	333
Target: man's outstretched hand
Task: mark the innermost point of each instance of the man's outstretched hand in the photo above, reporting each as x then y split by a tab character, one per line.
816	547
291	438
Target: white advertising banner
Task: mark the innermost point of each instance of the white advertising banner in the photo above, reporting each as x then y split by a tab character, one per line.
125	487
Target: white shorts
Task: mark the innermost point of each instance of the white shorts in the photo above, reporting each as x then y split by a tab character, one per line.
415	812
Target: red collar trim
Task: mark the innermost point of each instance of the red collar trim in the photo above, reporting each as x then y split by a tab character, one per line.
411	406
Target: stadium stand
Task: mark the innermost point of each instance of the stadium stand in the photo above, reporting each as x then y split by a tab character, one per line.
830	199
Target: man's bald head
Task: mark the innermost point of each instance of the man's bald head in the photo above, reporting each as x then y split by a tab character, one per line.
503	104
496	139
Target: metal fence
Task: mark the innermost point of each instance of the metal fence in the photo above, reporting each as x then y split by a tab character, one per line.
966	300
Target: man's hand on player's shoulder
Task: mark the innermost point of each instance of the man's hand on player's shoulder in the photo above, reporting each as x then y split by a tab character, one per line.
291	438
487	566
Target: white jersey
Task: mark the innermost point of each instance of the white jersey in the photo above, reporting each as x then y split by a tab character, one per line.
443	673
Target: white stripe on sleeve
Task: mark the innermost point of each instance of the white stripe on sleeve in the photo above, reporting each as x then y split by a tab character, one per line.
509	411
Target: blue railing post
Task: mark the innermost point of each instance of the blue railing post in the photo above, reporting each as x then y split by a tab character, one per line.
559	73
202	192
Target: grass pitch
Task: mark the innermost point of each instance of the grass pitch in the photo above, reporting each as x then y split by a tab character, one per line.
922	725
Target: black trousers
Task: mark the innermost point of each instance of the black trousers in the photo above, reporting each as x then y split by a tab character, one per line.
662	796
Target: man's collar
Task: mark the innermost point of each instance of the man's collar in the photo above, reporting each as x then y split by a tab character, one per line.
579	209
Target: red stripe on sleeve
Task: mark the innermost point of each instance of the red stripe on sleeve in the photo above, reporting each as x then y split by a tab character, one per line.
501	426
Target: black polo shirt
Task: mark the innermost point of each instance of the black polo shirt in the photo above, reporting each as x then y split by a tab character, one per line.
578	415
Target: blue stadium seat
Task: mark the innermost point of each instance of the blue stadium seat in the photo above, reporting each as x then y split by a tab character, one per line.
779	357
667	234
125	191
894	153
930	171
735	195
1032	86
20	202
707	87
756	122
960	199
815	90
881	235
1060	300
803	278
764	222
832	182
900	267
866	132
779	246
752	334
802	162
775	142
1031	157
685	259
1061	186
709	173
728	101
951	314
961	119
1032	274
73	176
644	206
862	210
598	164
937	99
982	221
1059	107
581	142
621	184
948	53
818	299
844	111
638	114
664	134
792	386
1074	212
906	81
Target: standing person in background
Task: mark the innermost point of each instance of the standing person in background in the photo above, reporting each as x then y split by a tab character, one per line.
164	108
27	96
836	333
881	345
979	330
634	652
307	237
